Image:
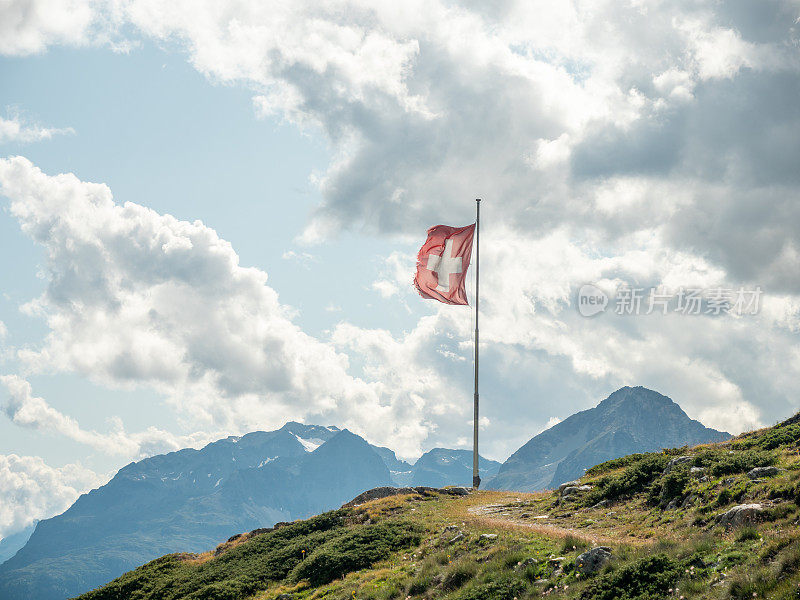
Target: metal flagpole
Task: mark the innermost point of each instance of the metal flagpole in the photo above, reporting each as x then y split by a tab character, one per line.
476	480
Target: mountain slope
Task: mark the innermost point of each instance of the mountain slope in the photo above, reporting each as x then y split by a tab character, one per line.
645	526
190	500
10	544
440	467
401	471
632	419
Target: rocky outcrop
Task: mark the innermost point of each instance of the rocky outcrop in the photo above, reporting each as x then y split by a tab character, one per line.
743	514
386	491
592	560
575	489
675	462
760	472
567	484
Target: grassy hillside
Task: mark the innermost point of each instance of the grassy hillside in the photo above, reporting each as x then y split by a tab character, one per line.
658	515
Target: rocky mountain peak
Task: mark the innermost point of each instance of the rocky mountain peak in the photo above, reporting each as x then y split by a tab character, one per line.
630	420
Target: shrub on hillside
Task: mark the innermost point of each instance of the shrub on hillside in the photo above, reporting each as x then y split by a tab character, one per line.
668	487
629	459
646	579
496	586
637	477
721	462
614	464
355	549
785	434
734	494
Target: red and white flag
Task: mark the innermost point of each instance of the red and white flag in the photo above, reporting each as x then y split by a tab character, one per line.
442	264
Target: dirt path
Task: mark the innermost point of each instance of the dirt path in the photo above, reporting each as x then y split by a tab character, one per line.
521	516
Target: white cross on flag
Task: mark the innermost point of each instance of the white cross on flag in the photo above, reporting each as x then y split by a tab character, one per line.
442	264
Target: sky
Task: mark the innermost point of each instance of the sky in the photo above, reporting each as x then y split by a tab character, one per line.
210	212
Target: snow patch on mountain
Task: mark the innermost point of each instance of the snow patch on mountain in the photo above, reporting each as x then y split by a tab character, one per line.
311	444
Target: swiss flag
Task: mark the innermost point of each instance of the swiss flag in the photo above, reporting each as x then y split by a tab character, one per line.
442	264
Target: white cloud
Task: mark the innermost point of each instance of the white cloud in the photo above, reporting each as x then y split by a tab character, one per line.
16	129
31	490
385	288
26	410
29	26
552	422
655	143
536	107
396	274
304	259
136	298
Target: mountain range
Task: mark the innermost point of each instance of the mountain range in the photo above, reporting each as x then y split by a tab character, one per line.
716	521
629	421
191	499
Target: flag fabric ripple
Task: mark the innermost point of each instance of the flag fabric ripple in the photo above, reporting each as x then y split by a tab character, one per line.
442	264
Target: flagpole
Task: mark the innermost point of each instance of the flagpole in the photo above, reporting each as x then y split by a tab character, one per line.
476	480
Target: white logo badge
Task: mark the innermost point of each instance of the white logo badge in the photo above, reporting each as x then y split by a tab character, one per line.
591	300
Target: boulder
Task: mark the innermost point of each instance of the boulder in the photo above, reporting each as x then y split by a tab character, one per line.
459	536
592	560
575	489
488	536
456	491
743	514
567	484
759	472
697	471
677	461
